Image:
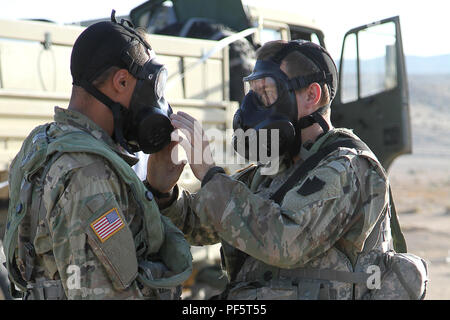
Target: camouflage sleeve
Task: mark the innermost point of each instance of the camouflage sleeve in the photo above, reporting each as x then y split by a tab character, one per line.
79	191
311	218
181	213
183	216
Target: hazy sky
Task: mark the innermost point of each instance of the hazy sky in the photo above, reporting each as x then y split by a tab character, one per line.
425	24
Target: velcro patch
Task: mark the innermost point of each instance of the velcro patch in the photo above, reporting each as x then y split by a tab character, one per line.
311	186
107	225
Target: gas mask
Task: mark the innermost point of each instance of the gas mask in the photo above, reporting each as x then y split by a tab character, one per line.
145	125
270	103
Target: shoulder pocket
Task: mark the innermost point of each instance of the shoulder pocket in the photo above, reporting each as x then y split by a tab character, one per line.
112	242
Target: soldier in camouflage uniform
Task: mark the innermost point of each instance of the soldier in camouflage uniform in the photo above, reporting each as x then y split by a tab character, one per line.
328	228
91	229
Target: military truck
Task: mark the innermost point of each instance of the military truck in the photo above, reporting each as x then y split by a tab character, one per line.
208	46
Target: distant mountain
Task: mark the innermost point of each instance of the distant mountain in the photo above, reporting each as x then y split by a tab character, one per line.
429	97
428	65
414	65
431	90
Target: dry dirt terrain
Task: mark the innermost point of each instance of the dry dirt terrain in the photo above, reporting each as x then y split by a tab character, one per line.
421	181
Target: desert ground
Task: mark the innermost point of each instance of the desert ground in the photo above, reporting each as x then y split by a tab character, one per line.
421	181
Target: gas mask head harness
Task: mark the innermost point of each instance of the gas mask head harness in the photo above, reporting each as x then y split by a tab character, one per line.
270	101
145	125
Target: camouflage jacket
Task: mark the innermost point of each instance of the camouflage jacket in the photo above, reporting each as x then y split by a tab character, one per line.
90	262
322	222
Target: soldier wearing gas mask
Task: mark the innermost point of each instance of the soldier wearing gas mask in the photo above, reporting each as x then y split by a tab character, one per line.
300	232
81	223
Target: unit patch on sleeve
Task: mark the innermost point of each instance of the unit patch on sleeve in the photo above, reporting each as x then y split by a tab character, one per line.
107	225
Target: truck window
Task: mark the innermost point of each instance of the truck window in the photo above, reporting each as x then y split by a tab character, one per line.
269	34
377	59
377	62
158	19
306	34
315	39
349	74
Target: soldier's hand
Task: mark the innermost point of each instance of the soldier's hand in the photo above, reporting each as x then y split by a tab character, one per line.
196	145
163	169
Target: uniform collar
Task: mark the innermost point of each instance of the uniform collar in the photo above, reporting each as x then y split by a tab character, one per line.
80	121
286	167
308	150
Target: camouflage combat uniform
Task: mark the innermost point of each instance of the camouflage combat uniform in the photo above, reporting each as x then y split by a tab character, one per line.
323	223
79	189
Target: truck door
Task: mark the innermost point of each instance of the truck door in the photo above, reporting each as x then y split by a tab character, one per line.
373	96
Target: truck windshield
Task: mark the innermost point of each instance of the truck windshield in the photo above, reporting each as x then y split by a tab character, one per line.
269	34
158	19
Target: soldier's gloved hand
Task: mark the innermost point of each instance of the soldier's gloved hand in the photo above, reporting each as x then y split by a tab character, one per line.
163	169
196	145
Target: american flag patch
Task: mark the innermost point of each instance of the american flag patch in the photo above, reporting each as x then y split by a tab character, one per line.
107	225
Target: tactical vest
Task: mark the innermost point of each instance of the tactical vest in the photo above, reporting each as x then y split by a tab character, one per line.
27	173
253	279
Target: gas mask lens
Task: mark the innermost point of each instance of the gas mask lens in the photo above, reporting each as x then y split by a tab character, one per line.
264	88
160	83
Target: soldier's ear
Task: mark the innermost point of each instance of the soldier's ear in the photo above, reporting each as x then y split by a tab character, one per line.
308	99
314	93
121	80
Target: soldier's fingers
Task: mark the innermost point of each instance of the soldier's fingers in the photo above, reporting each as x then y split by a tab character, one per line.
164	155
189	122
183	120
185	129
189	119
174	136
179	167
181	127
194	138
187	116
178	123
173	154
187	148
171	145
